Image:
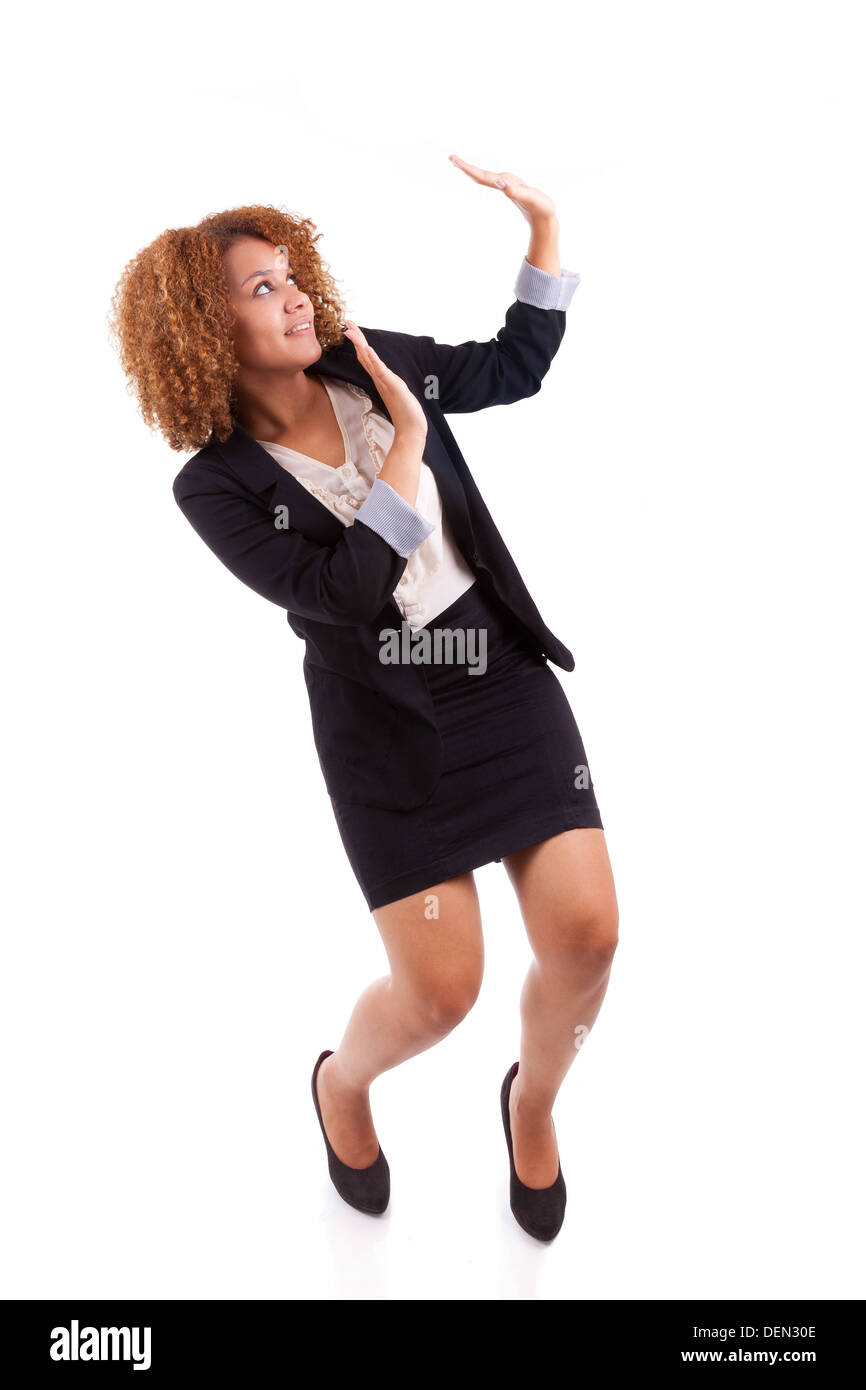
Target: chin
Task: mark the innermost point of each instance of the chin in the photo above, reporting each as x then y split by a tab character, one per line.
310	340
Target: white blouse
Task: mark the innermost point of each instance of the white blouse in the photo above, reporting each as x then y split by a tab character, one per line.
436	573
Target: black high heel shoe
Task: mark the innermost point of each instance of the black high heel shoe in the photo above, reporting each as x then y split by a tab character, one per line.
367	1189
539	1210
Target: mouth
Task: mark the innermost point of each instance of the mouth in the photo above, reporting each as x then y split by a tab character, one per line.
305	326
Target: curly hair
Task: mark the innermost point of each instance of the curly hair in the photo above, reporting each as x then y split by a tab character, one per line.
171	318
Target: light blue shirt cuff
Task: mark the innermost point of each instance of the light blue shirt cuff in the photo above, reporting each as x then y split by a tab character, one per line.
545	291
394	519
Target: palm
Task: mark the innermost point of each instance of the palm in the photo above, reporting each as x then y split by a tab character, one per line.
532	202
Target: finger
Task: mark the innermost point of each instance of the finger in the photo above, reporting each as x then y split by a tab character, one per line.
361	344
479	175
356	337
508	183
366	354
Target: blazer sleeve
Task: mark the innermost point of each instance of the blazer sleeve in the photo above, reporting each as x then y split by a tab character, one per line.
346	583
470	376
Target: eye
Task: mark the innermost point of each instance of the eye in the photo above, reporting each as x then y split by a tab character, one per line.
270	286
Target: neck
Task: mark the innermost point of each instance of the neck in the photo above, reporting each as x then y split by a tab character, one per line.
267	409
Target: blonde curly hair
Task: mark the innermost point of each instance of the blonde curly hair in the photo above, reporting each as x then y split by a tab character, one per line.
171	318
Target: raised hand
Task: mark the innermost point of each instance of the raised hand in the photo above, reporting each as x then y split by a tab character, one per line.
401	468
535	205
407	414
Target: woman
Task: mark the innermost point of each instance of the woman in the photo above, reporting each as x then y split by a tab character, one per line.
328	480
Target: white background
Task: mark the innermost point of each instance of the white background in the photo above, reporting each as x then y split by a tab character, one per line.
182	932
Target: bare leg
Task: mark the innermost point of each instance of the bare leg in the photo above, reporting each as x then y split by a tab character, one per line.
437	963
568	901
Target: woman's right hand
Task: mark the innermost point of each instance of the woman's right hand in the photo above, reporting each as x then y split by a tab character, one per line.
407	414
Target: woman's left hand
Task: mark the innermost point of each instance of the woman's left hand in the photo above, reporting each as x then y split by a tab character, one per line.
535	205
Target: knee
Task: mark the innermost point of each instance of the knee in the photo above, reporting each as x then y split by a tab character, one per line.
602	931
587	935
443	1003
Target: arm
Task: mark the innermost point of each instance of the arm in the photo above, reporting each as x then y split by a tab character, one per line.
346	583
351	581
471	376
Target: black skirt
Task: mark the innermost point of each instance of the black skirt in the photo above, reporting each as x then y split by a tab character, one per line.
514	768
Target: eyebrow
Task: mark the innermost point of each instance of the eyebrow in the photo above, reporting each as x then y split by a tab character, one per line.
272	271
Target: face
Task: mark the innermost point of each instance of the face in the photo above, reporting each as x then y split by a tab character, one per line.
268	304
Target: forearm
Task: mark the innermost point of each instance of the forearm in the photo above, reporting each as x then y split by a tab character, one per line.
544	245
402	466
345	583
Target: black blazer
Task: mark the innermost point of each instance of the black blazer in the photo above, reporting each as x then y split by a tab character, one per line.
373	724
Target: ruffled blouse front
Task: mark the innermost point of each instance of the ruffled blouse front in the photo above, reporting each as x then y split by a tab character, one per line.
436	573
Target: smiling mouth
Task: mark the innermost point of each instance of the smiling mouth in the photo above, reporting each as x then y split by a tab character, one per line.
304	327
